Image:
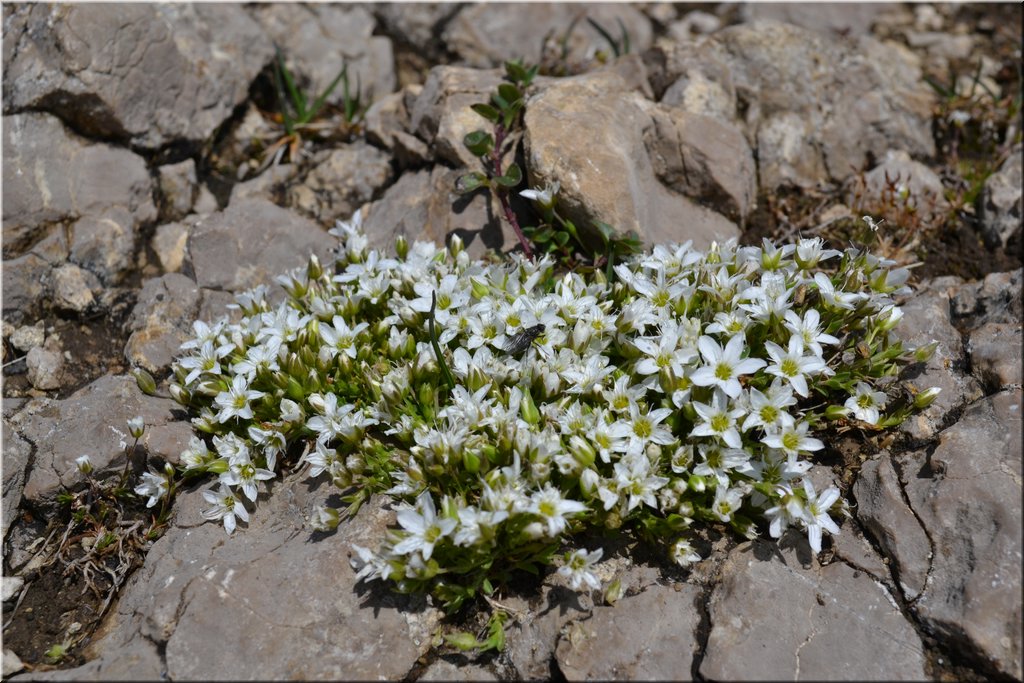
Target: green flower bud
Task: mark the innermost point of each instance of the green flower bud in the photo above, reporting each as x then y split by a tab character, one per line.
926	398
922	354
145	381
401	247
470	461
218	466
835	412
528	409
314	270
696	482
324	519
456	245
479	287
582	451
136	426
84	464
180	394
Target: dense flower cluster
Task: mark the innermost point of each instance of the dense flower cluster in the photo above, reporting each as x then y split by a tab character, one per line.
687	389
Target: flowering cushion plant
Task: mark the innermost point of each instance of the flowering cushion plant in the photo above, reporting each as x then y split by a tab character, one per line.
687	389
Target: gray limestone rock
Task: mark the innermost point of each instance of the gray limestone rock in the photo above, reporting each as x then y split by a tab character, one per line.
161	321
318	39
487	35
93	421
966	495
926	318
200	589
772	618
104	244
884	514
45	368
1000	205
995	353
51	175
250	243
593	145
344	180
423	205
649	636
74	289
903	182
17	453
441	114
178	186
140	73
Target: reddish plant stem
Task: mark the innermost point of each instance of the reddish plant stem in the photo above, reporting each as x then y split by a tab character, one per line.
502	193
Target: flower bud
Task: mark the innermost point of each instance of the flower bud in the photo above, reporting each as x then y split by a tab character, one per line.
456	245
926	398
923	354
84	464
470	461
528	409
835	412
136	426
181	395
401	247
324	518
696	482
145	381
582	451
314	270
479	287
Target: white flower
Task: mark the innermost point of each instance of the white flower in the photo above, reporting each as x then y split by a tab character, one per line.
719	419
577	568
235	401
641	429
768	410
225	506
243	473
815	514
866	403
723	367
792	365
552	508
545	197
206	361
336	420
807	329
683	553
719	462
727	502
153	485
84	464
663	351
477	525
792	438
633	477
339	337
423	527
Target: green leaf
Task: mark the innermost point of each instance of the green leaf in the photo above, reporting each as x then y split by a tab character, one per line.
513	176
500	101
319	103
471	182
479	142
486	111
509	93
461	640
515	71
562	238
606	231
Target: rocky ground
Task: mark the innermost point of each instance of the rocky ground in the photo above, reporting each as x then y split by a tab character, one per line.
140	192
